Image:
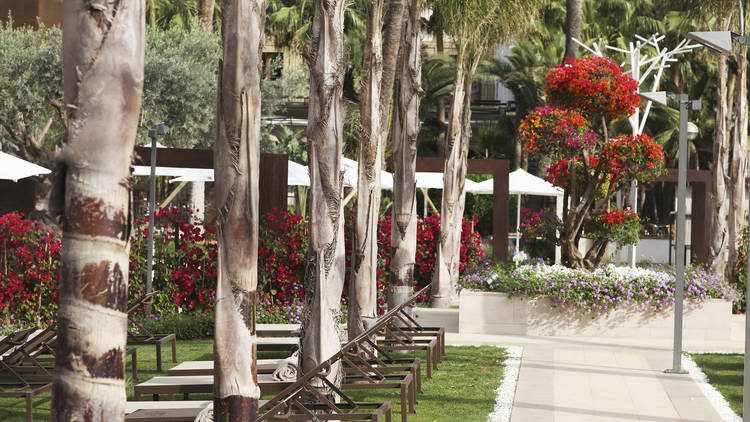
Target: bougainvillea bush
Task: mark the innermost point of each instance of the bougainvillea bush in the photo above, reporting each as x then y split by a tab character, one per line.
28	272
603	289
583	96
184	262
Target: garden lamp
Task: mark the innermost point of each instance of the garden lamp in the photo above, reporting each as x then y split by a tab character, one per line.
660	97
721	42
156	130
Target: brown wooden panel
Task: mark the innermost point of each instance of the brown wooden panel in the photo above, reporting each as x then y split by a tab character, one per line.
499	170
273	171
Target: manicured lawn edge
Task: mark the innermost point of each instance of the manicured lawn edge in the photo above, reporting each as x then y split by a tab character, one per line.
506	391
713	395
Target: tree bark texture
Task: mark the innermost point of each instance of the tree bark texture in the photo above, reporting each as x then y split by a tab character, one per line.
236	165
408	94
719	246
573	10
363	292
447	260
103	54
738	171
324	275
207	14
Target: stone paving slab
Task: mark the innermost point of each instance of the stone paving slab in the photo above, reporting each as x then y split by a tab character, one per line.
597	379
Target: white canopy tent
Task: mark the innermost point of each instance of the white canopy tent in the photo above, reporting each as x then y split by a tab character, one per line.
520	183
434	180
14	168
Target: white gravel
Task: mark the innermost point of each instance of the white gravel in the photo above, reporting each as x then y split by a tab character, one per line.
712	394
506	392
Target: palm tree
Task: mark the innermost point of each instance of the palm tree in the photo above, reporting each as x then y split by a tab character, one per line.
574	9
324	279
165	13
475	26
405	134
103	82
236	164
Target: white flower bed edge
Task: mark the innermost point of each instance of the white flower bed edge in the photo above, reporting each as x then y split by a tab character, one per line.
713	395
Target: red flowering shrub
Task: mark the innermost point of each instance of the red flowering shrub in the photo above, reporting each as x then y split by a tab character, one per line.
281	257
597	89
28	272
543	223
592	85
184	262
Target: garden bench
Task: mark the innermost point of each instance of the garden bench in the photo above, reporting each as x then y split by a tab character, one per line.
148	338
186	385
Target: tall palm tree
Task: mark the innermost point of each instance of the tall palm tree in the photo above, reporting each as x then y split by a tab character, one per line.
475	26
407	97
103	82
324	278
236	165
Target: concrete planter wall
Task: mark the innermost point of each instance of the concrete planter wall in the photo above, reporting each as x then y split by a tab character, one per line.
496	313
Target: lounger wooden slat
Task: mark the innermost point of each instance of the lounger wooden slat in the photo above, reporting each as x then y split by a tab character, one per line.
186	385
206	367
278	330
278	344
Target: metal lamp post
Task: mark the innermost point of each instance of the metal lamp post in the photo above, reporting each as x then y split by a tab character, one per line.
721	42
660	97
157	129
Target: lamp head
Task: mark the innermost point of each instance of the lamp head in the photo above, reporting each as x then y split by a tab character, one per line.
158	129
720	41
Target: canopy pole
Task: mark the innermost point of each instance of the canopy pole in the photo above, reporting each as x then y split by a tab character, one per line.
518	225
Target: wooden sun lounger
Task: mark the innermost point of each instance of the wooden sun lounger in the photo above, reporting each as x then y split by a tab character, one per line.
166	411
149	338
278	344
206	367
404	382
278	330
187	385
16	386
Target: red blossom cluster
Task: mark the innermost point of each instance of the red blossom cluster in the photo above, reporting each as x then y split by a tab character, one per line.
28	271
629	157
616	217
592	85
550	131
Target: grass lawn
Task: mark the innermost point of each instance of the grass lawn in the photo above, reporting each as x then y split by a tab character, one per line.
471	373
724	372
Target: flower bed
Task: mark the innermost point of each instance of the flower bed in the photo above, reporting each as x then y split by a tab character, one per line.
616	301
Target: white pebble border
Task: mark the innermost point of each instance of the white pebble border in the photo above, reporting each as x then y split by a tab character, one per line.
712	394
506	392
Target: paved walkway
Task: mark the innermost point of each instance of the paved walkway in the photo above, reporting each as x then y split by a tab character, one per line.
599	379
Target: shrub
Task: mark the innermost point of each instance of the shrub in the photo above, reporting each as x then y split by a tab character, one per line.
601	290
28	272
186	326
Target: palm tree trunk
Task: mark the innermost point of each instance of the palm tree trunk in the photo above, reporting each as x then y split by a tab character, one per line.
573	10
236	163
103	53
719	246
737	216
447	261
207	14
408	94
363	293
324	278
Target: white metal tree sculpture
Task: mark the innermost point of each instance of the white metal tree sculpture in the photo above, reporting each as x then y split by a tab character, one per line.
647	61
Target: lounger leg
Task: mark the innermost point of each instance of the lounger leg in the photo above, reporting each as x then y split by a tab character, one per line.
135	366
174	350
404	404
429	365
158	357
412	396
29	407
388	415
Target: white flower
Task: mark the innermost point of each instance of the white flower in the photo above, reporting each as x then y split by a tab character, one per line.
520	257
